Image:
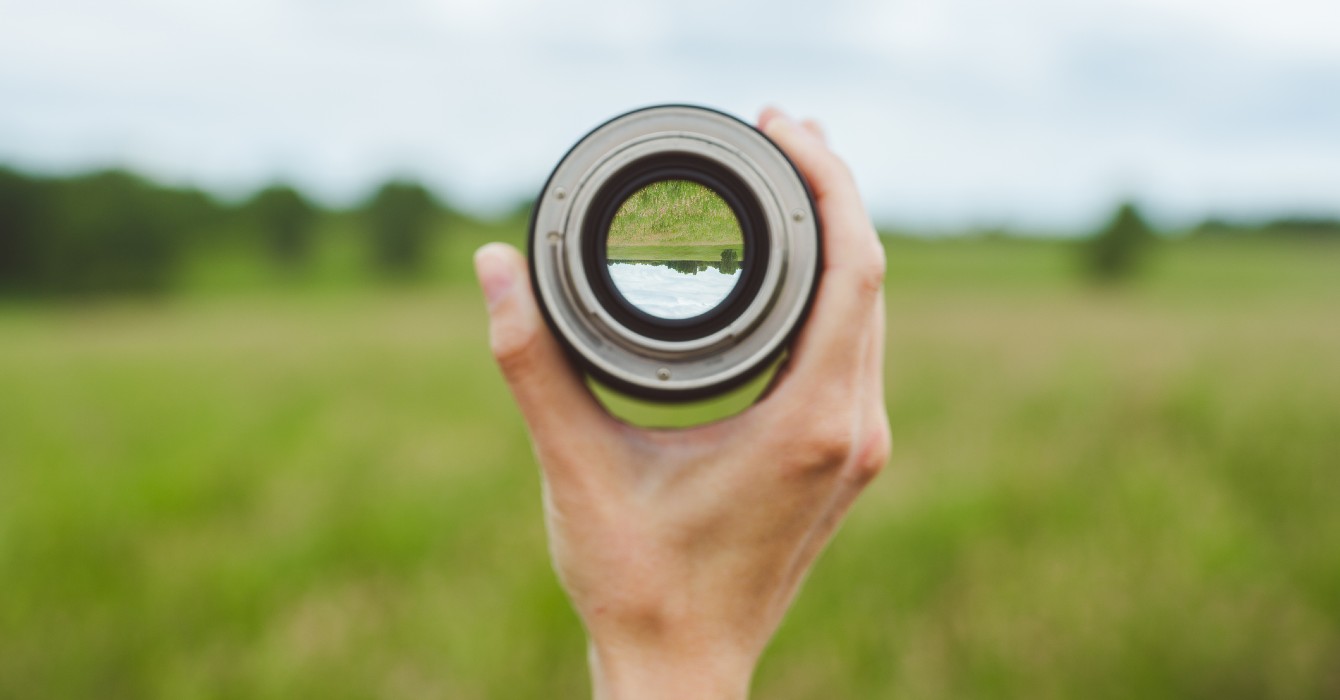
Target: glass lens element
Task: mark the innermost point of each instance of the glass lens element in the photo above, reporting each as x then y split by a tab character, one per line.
675	249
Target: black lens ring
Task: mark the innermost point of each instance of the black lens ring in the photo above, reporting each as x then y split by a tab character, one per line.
547	218
661	167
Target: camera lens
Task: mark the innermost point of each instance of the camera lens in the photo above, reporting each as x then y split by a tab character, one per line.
674	251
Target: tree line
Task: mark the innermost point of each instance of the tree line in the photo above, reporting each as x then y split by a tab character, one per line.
113	232
1117	251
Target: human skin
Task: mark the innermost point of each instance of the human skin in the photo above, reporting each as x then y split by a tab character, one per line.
682	549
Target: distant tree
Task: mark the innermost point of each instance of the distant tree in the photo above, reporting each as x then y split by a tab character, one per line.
1304	227
686	267
111	232
20	213
1116	251
103	233
730	261
285	220
1214	226
400	217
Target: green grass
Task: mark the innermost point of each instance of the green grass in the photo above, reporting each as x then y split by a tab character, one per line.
314	488
672	252
675	213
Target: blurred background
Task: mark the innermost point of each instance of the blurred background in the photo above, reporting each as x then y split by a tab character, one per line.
252	443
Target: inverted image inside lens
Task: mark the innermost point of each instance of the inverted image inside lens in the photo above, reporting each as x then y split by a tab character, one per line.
675	249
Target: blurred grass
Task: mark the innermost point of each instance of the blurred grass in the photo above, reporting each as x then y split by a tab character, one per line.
279	487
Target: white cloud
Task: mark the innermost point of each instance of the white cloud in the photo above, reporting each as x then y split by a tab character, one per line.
1038	112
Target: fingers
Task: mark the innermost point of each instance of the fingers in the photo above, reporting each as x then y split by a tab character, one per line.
770	113
827	175
852	281
873	451
552	396
767	115
816	129
873	379
870	452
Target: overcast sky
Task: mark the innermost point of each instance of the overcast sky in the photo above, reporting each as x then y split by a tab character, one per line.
1034	113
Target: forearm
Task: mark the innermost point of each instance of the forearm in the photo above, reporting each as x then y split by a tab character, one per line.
639	673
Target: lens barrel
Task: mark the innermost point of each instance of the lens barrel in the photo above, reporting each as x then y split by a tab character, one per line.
674	359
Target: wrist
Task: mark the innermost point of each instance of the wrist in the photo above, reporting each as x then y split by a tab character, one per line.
646	672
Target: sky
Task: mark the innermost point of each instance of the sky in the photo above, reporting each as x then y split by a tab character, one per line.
1034	115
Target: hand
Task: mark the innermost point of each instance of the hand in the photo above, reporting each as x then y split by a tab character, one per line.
682	549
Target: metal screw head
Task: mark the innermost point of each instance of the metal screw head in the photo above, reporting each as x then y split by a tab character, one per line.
663	373
797	216
560	193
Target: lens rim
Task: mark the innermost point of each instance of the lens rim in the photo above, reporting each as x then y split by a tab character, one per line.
661	167
697	369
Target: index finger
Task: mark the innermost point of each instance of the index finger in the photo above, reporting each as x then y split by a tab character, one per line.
825	355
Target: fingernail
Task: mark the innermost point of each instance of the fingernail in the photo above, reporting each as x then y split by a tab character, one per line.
495	274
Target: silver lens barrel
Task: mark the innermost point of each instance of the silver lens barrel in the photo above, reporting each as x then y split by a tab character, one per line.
674	359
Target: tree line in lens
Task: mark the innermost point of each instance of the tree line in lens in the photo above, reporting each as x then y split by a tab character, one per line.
729	264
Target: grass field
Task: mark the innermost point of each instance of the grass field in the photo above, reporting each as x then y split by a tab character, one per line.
675	213
710	253
276	489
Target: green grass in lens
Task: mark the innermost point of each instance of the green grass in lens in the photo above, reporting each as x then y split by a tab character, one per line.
674	214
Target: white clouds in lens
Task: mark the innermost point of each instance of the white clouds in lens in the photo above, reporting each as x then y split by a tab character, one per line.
662	291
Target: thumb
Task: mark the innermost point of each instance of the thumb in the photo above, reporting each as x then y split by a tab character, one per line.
547	388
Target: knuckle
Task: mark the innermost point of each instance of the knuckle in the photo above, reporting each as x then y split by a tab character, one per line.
873	267
866	271
873	457
824	444
842	170
826	172
836	169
